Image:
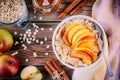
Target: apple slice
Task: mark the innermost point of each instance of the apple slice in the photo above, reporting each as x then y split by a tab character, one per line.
76	39
86	59
29	73
87	39
73	31
79	33
65	36
37	77
91	45
89	52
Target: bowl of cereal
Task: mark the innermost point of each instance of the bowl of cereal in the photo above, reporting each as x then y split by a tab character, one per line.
77	42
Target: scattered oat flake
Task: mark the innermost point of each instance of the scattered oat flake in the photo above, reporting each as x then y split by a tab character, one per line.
41	42
48	46
34	54
46	54
26	60
15	33
21	34
15	53
21	41
45	38
16	43
42	29
29	42
33	39
40	18
34	33
37	41
25	35
20	38
30	39
29	35
36	27
36	30
25	47
50	29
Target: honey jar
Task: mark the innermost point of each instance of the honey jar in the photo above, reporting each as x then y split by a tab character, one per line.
46	6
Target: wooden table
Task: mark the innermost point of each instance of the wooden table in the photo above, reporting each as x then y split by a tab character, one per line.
46	24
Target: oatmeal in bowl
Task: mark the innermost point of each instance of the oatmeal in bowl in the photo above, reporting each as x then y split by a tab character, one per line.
77	42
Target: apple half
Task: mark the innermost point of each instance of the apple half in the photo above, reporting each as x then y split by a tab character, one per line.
31	73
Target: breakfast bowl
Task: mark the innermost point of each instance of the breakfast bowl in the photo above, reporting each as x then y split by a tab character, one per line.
78	42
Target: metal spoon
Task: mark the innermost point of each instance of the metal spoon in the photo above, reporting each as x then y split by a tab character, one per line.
102	52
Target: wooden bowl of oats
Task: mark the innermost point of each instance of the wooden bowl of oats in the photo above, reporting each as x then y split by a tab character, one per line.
78	42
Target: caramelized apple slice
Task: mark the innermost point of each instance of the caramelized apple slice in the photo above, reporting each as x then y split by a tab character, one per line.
65	36
80	32
73	31
91	45
89	51
86	59
87	39
79	36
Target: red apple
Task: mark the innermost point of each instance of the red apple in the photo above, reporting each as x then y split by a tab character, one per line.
9	66
6	41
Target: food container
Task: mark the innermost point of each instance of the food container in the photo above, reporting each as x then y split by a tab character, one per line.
100	31
23	22
46	6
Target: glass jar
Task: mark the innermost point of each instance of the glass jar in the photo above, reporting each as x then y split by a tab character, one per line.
46	6
23	22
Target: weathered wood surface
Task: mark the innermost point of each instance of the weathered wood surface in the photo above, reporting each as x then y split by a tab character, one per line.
48	21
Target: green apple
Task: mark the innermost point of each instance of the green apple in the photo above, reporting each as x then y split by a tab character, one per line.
37	76
6	41
31	73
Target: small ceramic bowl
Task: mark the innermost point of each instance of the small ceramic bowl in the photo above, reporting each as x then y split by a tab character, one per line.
101	33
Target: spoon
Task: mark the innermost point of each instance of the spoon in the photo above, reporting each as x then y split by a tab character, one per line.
102	52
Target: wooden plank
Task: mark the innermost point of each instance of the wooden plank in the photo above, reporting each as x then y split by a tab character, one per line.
47	22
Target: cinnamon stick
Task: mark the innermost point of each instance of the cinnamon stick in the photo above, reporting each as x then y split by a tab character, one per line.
59	69
79	7
48	70
51	66
68	9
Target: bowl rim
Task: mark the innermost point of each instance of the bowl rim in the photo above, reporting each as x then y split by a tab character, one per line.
105	43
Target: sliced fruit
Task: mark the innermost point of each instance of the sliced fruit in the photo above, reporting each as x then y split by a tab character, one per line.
86	59
76	39
91	45
89	51
65	36
87	39
37	77
80	32
73	31
29	72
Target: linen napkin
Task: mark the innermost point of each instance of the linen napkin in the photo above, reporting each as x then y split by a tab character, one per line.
106	12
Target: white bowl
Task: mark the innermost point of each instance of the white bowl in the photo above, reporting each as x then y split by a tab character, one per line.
97	26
